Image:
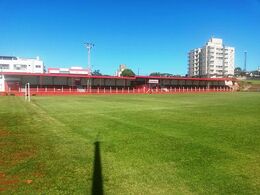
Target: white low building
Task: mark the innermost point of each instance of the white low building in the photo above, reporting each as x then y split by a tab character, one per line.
72	70
19	65
16	64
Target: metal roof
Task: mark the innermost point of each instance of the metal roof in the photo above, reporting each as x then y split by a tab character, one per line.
115	77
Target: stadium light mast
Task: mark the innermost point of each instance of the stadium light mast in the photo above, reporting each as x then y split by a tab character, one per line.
89	46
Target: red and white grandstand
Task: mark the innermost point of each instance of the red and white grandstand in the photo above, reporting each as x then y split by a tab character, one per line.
75	80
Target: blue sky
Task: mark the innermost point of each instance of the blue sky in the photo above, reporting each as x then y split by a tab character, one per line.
149	35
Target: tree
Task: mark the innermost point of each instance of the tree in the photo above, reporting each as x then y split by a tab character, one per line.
161	74
155	74
238	71
96	73
128	73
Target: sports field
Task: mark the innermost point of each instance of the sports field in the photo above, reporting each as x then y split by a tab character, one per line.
131	144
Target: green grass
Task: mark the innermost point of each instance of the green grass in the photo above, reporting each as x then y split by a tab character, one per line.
253	81
149	144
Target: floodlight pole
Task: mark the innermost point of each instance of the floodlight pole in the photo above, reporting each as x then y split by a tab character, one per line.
89	46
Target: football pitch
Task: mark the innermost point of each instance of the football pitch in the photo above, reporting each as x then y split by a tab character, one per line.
131	144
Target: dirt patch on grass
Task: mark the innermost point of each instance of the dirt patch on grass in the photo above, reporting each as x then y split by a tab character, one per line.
22	155
7	182
4	133
11	182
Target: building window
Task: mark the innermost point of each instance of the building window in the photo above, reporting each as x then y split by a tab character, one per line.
7	58
4	66
20	67
38	66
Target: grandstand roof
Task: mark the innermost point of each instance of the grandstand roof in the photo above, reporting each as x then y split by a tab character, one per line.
115	77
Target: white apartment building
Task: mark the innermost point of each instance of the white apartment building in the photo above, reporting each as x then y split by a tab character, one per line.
213	60
16	64
194	62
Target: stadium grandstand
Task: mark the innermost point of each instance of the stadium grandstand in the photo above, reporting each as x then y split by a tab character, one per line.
62	84
17	72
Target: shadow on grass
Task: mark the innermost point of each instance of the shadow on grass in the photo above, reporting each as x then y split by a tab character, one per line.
97	180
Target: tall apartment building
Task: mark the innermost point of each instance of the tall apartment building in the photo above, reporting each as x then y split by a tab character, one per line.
212	60
194	62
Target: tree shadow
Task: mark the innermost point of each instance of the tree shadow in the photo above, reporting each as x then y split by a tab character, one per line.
97	180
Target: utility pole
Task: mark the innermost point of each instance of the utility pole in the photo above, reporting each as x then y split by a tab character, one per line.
245	61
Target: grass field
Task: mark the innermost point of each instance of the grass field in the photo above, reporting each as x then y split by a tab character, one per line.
148	144
253	81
